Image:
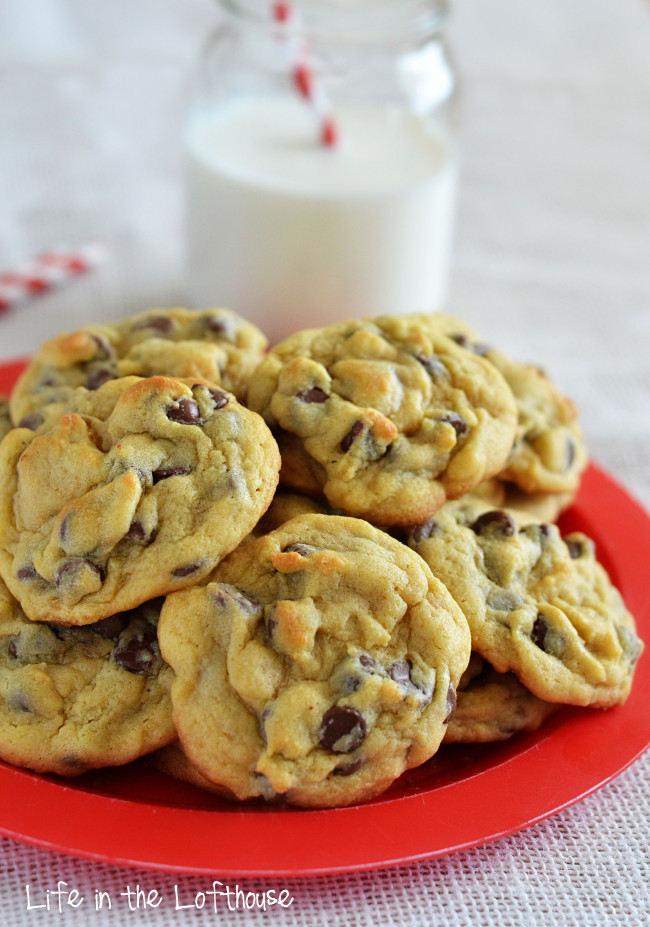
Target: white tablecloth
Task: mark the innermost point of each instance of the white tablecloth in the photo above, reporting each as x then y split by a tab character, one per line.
552	262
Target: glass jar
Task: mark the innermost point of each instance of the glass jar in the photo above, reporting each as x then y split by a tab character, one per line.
331	203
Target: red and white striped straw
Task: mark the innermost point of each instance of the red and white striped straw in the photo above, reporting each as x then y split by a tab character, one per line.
47	271
304	77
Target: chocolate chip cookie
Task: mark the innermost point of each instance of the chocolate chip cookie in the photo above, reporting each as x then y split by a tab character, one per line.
140	495
538	605
73	699
391	418
213	344
319	662
548	455
493	706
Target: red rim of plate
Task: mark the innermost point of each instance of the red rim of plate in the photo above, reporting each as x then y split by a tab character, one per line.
437	812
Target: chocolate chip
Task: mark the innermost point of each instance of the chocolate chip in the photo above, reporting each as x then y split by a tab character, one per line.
458	423
575	548
138	652
160	323
504	600
356	430
12	647
431	364
314	394
222	593
482	348
570	453
219	398
105	348
478	347
497	521
350	684
98	377
110	627
32	421
220	325
424	531
353	671
63	529
72	761
267	792
28	571
374	450
186	570
163	473
186	412
139	534
20	702
540	632
401	672
632	646
342	729
450	704
545	636
303	549
347	768
68	570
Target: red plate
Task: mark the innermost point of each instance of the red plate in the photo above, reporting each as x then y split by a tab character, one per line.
135	816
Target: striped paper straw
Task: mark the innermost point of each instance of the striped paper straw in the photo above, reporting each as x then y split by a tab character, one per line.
304	77
46	272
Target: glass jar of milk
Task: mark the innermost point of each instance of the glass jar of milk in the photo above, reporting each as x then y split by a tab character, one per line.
337	202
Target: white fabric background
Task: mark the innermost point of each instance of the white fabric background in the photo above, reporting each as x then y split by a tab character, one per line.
552	262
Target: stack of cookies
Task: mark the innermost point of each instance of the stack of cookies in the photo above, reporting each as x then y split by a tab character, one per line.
405	585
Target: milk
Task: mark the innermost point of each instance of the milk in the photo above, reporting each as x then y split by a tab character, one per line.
292	234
